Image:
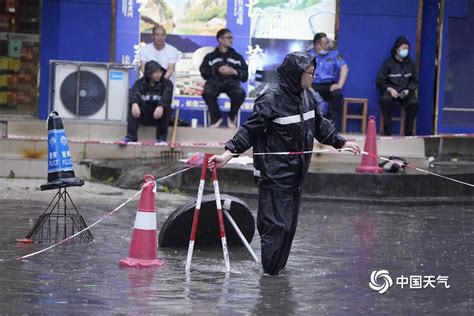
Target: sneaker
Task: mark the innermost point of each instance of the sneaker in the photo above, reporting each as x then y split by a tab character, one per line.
160	142
124	141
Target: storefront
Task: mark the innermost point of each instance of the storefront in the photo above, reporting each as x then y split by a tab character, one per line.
111	31
19	56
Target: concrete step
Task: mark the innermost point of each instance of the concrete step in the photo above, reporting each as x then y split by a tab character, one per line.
81	131
91	140
37	148
114	131
413	150
13	167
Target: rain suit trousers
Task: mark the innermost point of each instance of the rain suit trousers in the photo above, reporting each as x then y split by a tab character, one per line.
146	118
211	92
276	223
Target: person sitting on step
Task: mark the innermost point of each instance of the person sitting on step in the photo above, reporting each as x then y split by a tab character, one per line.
150	104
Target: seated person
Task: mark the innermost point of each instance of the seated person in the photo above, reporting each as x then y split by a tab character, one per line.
160	51
150	103
223	69
397	82
330	75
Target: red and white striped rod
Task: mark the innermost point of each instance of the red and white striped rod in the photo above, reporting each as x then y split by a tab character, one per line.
220	219
192	238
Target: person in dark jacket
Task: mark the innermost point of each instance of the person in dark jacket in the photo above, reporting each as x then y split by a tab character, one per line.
397	82
286	118
224	69
150	103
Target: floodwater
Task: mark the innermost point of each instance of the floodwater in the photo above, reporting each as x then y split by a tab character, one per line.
336	248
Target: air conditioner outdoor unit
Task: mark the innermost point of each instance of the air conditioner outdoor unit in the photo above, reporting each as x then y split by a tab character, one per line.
102	92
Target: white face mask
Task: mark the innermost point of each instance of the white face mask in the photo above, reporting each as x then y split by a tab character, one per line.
323	52
403	53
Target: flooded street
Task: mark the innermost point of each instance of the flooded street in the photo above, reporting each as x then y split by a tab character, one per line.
336	247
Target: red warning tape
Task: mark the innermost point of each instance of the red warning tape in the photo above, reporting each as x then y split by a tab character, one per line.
221	144
418	169
101	219
255	154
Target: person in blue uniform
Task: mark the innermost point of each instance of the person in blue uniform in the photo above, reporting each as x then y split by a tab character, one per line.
331	74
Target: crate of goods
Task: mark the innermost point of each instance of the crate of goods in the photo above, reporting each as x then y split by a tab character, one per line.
14	64
3	64
4	22
3	81
3	98
12	98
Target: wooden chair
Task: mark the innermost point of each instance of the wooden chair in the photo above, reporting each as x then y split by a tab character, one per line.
400	119
362	117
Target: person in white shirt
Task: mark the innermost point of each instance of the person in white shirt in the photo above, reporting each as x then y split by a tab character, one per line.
165	54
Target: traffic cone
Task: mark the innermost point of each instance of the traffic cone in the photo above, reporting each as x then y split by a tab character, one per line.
58	220
369	162
60	169
144	244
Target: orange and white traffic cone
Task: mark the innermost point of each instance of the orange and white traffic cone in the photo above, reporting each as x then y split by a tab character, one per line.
370	158
144	245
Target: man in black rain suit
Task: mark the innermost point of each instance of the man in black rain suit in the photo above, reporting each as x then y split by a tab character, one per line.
286	118
224	69
150	104
397	82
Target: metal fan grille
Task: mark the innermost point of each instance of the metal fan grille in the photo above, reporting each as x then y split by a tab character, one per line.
92	93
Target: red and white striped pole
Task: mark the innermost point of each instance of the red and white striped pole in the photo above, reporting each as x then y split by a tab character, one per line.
192	238
220	219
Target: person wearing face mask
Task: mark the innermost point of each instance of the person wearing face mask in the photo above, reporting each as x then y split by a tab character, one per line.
331	74
286	118
397	81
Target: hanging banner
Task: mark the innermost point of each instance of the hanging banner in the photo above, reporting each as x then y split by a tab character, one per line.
264	32
127	36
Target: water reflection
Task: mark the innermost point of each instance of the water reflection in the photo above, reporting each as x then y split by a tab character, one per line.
336	246
276	296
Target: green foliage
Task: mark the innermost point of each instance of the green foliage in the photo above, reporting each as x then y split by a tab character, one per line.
269	3
163	188
307	3
176	191
168	11
110	180
278	3
203	13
